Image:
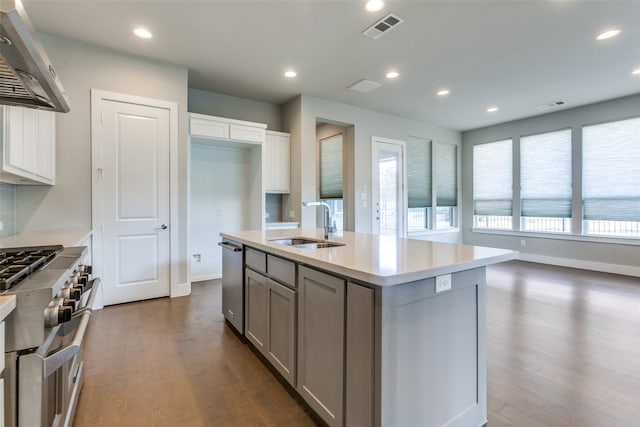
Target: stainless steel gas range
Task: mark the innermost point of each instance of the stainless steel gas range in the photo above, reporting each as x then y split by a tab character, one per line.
44	335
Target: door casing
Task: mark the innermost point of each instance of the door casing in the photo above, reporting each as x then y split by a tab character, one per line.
97	220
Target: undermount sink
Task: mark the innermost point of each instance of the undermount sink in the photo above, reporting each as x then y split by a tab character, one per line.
319	245
294	241
306	243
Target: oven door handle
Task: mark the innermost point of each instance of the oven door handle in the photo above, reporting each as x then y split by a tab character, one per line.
52	362
93	285
55	360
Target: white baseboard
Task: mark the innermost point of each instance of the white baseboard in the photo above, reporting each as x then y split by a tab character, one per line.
627	270
181	290
206	277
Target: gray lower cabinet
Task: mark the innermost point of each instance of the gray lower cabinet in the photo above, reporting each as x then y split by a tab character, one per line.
321	299
360	356
256	288
403	355
270	323
281	329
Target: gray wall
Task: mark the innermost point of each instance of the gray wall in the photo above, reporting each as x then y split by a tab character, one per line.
300	117
83	67
590	253
232	107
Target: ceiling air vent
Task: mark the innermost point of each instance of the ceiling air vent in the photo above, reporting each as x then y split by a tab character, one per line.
382	26
551	105
365	86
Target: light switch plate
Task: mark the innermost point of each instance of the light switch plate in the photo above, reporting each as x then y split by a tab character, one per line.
443	283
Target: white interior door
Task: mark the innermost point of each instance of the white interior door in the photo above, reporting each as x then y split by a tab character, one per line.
388	194
133	184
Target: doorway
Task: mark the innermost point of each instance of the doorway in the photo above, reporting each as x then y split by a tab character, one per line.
387	187
220	198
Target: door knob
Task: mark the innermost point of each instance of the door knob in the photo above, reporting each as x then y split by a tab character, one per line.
164	226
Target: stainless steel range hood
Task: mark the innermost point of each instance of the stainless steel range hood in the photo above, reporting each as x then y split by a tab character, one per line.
27	78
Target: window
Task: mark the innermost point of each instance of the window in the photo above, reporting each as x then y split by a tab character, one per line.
446	185
331	167
611	178
492	185
432	170
331	171
419	191
545	182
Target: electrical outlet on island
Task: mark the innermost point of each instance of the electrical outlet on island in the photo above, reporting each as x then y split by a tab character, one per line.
443	283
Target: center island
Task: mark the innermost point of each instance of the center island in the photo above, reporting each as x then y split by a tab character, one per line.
369	330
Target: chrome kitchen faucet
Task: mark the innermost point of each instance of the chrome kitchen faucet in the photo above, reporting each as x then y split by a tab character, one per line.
328	227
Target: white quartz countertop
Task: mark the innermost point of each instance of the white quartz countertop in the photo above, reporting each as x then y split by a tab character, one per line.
378	260
7	304
65	238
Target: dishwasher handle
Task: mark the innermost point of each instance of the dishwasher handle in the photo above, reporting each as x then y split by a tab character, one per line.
228	246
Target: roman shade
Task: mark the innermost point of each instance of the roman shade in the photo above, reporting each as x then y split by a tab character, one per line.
419	172
492	178
446	175
331	159
611	171
545	175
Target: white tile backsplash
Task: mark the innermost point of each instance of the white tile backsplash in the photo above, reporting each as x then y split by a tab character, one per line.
7	209
273	207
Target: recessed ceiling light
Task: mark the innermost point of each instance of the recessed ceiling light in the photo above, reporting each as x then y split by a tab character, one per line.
392	74
608	34
290	74
492	109
443	92
142	33
636	72
374	5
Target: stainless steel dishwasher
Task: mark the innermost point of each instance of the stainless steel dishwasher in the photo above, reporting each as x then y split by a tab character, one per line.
232	284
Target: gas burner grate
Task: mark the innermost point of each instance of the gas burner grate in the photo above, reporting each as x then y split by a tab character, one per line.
18	263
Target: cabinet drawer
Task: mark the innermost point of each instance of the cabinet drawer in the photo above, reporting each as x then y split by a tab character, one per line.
282	270
209	128
255	259
246	133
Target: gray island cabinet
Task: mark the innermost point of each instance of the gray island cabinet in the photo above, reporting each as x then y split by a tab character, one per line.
379	331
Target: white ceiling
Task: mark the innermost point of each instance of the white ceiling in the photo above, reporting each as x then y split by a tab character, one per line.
513	54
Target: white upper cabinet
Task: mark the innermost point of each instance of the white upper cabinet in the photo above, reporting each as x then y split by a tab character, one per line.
223	129
28	154
46	169
208	128
276	162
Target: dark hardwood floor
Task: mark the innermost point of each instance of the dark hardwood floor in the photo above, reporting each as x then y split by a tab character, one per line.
563	350
563	347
